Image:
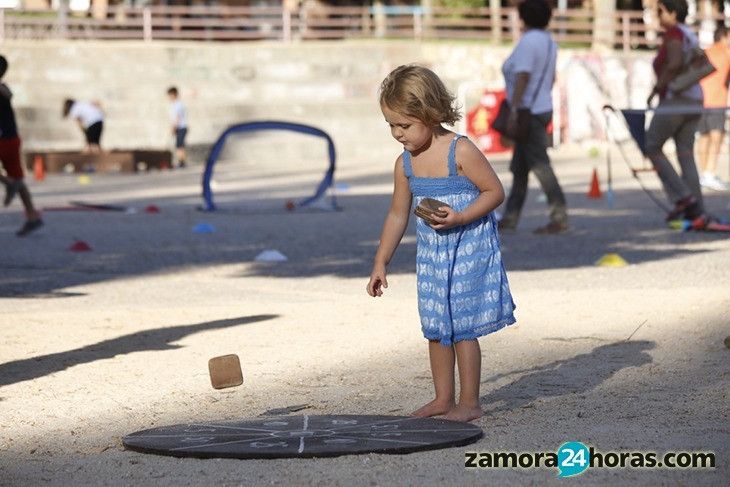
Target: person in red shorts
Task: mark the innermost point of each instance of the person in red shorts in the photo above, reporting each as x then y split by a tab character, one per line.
10	157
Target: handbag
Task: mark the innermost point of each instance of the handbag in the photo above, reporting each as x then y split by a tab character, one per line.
524	115
427	208
522	132
696	66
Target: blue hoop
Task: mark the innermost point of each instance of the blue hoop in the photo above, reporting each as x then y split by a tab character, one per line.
269	125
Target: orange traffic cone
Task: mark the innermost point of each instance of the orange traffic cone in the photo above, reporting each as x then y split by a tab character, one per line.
595	189
39	172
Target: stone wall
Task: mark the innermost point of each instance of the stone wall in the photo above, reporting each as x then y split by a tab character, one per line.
331	85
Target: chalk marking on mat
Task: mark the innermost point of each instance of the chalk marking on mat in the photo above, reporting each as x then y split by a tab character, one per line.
301	440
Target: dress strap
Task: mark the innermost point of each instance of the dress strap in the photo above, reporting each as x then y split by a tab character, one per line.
452	155
407	164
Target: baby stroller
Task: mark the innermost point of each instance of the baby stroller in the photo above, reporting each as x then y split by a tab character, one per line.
633	122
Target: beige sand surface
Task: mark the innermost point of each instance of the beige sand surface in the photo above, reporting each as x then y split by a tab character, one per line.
101	344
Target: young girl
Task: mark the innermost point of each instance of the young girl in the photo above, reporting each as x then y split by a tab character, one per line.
462	286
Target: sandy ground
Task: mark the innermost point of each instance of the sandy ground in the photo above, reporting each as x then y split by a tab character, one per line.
100	344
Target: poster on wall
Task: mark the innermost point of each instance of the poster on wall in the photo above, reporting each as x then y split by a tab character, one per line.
479	121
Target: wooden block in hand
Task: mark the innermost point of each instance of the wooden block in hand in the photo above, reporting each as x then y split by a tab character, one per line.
225	371
428	207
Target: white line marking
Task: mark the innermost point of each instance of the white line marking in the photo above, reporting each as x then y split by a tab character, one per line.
247	440
238	428
385	439
367	425
189	435
301	440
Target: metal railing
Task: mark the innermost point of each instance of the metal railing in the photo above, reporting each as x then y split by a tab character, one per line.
221	23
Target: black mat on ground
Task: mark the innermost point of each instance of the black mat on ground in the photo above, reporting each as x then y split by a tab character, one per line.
303	437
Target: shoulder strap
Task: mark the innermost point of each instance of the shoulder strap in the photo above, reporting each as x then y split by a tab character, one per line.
407	164
544	71
452	155
689	39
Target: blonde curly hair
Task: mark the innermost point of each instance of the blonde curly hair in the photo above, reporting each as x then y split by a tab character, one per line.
417	92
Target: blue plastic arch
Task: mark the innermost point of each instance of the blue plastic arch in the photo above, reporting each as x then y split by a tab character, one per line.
269	125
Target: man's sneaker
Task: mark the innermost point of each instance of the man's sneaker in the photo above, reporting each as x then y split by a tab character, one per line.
552	228
11	189
29	226
711	181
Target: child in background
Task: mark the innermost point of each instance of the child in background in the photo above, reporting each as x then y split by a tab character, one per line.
179	118
90	118
10	157
463	291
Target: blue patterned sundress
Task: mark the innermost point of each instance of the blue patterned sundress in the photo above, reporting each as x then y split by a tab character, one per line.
463	291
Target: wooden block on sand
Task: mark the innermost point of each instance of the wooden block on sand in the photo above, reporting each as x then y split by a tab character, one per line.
225	371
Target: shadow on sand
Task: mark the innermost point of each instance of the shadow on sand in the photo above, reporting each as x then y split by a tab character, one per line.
578	374
158	339
339	243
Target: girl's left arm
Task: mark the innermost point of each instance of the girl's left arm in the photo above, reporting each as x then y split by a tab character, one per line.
477	168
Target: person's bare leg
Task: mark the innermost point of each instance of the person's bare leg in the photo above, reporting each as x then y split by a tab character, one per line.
18	185
713	152
30	212
442	370
32	218
9	189
703	144
469	359
181	157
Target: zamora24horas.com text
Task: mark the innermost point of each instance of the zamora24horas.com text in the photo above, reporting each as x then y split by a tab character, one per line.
573	458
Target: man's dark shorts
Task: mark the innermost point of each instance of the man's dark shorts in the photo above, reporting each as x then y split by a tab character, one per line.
93	133
180	134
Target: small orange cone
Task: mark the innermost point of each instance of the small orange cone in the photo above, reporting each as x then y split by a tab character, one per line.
595	190
39	172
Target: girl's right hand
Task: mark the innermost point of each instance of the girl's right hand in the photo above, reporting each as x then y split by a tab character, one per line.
377	282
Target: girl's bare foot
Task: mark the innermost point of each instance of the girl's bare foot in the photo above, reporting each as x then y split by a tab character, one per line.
464	413
433	408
